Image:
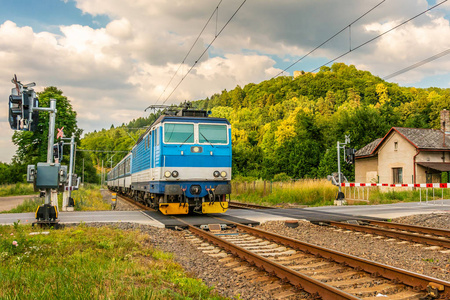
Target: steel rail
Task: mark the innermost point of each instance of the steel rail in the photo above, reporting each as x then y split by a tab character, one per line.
135	203
417	281
247	205
297	279
434	241
412	228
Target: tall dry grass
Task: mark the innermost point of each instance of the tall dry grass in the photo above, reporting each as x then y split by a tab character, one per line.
311	192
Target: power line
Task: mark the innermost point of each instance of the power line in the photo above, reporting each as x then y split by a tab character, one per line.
196	40
430	59
378	36
329	39
84	150
207	48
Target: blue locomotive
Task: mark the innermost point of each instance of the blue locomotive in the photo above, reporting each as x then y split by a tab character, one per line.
181	164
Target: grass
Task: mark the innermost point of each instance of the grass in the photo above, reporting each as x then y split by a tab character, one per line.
86	198
391	195
28	205
90	263
89	197
320	192
16	189
311	192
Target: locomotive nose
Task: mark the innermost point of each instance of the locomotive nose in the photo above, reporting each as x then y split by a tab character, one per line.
195	190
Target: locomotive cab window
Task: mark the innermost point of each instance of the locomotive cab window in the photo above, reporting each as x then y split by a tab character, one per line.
178	133
214	134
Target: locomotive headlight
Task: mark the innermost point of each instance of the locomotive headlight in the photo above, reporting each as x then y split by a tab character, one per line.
167	174
175	174
216	174
223	174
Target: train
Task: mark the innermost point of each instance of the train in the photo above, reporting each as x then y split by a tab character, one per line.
180	165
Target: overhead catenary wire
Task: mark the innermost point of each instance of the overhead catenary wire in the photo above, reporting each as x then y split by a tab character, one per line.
416	65
206	49
380	35
85	150
216	10
329	39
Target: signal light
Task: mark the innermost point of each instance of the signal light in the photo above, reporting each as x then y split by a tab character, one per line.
350	155
21	103
15	111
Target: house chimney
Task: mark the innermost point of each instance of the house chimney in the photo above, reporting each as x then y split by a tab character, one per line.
445	121
445	124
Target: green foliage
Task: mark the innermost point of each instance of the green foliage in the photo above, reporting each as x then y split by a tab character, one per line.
394	196
291	125
89	198
90	263
12	173
281	177
114	139
32	146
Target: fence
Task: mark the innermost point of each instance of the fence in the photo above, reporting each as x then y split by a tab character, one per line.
360	192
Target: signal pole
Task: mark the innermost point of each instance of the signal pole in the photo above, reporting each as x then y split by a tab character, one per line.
51	138
23	115
339	147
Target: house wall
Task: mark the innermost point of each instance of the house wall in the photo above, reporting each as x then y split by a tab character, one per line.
391	156
430	156
366	169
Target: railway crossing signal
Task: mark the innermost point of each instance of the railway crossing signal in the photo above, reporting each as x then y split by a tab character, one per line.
22	103
350	155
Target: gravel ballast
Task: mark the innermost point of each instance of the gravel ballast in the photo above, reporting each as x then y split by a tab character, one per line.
409	256
413	257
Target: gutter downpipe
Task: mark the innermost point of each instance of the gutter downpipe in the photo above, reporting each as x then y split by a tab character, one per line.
414	165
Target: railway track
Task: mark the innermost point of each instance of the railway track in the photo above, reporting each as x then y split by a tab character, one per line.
417	234
233	204
137	204
322	272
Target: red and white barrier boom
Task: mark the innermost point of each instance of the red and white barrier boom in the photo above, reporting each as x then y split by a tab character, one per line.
421	185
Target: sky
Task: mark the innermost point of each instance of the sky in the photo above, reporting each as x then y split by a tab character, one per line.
114	58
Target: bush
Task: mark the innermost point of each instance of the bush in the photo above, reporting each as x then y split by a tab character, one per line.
281	177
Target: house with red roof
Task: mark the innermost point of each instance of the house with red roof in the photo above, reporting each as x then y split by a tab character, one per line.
406	155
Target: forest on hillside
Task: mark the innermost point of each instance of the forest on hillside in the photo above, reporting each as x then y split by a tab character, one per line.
291	125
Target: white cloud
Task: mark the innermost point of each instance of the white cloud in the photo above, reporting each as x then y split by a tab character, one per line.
111	74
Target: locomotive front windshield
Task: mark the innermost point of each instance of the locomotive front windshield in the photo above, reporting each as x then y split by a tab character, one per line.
178	133
214	134
182	133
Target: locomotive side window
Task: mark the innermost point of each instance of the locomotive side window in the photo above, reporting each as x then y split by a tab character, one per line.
157	136
178	133
214	134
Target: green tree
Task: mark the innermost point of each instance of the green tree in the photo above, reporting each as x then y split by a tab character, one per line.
32	146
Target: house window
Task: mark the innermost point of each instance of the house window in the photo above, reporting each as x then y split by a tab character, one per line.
429	177
397	175
395	146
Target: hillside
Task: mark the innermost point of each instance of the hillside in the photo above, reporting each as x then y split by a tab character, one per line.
287	125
